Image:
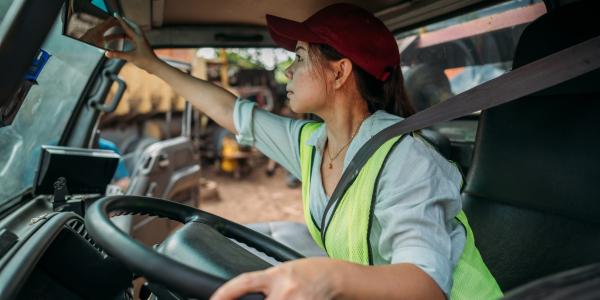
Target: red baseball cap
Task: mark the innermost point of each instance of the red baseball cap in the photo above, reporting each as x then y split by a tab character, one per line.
352	31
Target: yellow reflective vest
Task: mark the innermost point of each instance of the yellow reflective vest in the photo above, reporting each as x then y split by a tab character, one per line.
351	218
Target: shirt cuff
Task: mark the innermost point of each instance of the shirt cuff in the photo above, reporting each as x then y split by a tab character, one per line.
430	262
243	119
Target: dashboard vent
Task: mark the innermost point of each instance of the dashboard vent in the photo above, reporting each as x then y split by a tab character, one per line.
78	227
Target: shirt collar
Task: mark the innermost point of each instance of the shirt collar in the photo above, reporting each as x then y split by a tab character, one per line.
318	138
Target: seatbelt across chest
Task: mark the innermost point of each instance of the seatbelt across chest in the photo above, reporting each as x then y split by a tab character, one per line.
528	79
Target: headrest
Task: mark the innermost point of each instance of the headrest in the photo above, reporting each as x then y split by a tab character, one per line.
426	85
542	152
558	30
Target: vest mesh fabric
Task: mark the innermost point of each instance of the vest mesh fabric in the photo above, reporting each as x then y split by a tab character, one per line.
347	234
471	278
306	157
355	213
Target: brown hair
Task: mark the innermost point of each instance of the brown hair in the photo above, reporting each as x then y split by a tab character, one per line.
388	95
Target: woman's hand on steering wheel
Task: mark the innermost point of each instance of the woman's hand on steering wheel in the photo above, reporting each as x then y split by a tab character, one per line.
309	278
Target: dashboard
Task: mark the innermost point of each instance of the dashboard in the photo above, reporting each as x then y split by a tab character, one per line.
55	258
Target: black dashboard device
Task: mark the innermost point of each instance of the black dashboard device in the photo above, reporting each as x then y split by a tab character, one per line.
85	171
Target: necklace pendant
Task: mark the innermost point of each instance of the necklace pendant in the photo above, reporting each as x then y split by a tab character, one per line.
330	166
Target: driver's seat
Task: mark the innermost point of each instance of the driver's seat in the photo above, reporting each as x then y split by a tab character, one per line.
532	195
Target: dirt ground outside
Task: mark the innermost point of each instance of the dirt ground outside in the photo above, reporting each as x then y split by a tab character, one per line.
253	198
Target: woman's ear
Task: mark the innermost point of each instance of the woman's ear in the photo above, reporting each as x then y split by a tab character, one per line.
342	70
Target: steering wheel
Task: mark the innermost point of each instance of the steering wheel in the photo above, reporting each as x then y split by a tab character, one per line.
194	260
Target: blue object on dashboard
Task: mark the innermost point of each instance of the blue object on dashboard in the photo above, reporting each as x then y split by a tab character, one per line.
101	5
38	65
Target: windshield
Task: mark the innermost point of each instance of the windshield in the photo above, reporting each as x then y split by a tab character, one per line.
46	108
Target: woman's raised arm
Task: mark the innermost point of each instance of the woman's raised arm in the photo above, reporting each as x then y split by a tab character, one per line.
216	102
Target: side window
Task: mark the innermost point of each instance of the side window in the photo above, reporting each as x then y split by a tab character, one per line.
446	58
47	104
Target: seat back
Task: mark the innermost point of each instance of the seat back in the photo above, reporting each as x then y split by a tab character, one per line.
532	193
169	170
165	168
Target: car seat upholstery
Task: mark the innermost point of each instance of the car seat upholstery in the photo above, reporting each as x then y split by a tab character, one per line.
531	195
166	169
439	141
131	158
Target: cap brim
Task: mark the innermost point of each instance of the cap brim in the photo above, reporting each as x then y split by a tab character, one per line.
286	33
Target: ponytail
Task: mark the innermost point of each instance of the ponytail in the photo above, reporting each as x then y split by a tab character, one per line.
389	95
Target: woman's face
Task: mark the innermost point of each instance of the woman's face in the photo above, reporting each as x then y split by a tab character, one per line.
306	88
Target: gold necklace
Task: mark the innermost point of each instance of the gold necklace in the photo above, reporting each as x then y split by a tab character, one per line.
331	159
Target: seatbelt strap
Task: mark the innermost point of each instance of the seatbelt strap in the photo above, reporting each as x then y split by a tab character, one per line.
528	79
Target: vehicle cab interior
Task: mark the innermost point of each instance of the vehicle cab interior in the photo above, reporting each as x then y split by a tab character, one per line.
530	166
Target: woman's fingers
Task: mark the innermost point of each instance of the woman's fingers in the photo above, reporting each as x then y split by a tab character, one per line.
299	279
118	55
131	33
141	55
116	36
133	26
107	24
241	285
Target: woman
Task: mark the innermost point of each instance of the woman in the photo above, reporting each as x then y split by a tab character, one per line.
398	232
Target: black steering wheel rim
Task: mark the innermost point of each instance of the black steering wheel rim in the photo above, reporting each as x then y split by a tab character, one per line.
157	267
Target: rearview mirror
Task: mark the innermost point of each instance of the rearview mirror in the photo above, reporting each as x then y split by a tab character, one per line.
92	22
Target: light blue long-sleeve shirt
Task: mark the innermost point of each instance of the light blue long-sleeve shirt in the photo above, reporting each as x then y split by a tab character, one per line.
418	194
